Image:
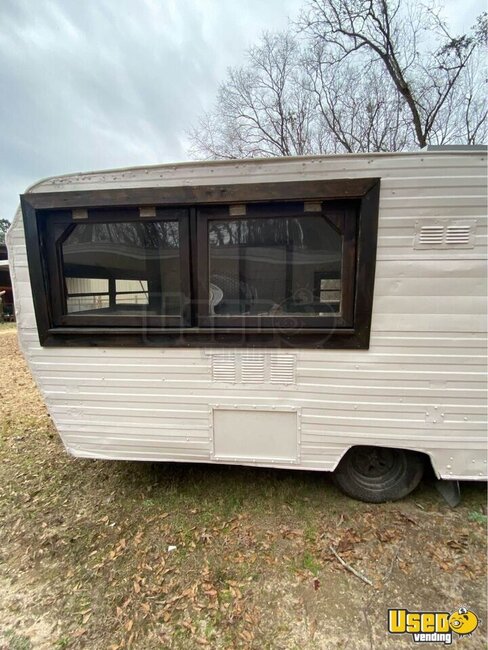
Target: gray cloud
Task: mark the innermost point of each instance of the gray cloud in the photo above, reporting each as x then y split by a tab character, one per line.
107	83
96	84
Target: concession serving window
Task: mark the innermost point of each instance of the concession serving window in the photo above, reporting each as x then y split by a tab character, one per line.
279	265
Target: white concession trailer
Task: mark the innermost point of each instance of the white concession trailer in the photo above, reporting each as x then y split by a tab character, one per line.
324	313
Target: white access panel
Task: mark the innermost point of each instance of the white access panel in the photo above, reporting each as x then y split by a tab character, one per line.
255	435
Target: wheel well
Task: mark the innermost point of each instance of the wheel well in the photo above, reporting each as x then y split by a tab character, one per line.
376	474
428	463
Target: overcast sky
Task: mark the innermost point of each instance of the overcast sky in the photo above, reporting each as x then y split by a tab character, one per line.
92	84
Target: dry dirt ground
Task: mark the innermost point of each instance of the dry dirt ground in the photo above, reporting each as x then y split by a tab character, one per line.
86	558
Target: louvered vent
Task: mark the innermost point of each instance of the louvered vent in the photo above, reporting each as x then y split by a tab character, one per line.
431	235
445	233
256	368
458	235
252	369
282	369
224	367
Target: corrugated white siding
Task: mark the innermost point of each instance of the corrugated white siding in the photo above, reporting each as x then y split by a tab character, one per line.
422	384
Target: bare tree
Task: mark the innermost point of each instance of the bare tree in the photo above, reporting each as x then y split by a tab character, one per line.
4	226
357	75
262	108
464	116
357	107
410	43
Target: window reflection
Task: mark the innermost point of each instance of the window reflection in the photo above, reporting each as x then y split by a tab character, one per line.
274	266
123	268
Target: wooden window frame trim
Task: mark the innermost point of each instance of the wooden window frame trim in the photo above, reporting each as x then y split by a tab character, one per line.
35	206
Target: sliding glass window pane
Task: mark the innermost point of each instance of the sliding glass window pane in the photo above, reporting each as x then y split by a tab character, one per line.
125	268
274	266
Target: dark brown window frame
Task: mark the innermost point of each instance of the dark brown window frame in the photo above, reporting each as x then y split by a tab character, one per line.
37	207
54	261
347	232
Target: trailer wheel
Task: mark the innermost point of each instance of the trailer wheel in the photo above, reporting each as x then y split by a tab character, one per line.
378	474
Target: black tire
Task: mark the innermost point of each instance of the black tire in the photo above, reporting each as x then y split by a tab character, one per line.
378	474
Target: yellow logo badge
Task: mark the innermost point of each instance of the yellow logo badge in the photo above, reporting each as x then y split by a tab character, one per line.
432	627
463	621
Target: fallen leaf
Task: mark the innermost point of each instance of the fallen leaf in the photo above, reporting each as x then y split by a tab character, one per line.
138	538
189	626
408	518
388	535
460	544
201	641
79	632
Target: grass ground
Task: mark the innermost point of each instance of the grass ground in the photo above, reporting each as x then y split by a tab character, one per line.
110	555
